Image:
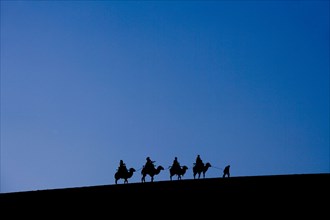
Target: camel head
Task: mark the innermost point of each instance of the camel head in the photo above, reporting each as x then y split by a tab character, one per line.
131	170
183	170
159	168
185	167
207	164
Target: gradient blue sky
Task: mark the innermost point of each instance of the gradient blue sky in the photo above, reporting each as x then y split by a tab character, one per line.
87	83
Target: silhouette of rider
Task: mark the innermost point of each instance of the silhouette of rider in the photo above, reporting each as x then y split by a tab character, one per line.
226	172
176	165
149	164
122	167
199	161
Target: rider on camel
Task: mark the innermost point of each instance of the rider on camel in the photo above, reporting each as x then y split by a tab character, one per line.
122	167
176	165
199	161
149	163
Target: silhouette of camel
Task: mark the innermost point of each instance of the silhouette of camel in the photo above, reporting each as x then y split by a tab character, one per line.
201	169
152	171
180	171
124	175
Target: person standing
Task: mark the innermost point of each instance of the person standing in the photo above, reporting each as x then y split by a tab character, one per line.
226	172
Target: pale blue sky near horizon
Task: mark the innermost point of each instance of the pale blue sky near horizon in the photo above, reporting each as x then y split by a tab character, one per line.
85	84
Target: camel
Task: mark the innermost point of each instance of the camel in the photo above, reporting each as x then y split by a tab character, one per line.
152	171
124	175
180	171
199	170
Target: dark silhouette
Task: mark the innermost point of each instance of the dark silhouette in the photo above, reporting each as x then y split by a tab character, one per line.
122	167
298	195
176	164
199	161
175	169
124	174
150	169
198	169
179	171
149	163
226	172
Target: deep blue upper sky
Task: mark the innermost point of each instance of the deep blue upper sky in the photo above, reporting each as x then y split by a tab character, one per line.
87	83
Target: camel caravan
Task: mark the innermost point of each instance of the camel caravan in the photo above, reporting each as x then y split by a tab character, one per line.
150	169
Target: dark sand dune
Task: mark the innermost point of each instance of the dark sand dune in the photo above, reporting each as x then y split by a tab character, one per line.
297	195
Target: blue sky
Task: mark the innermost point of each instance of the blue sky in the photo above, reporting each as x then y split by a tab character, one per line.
87	83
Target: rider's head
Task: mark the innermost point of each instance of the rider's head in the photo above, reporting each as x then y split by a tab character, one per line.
175	158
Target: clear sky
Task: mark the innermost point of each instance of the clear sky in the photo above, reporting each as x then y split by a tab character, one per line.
85	84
